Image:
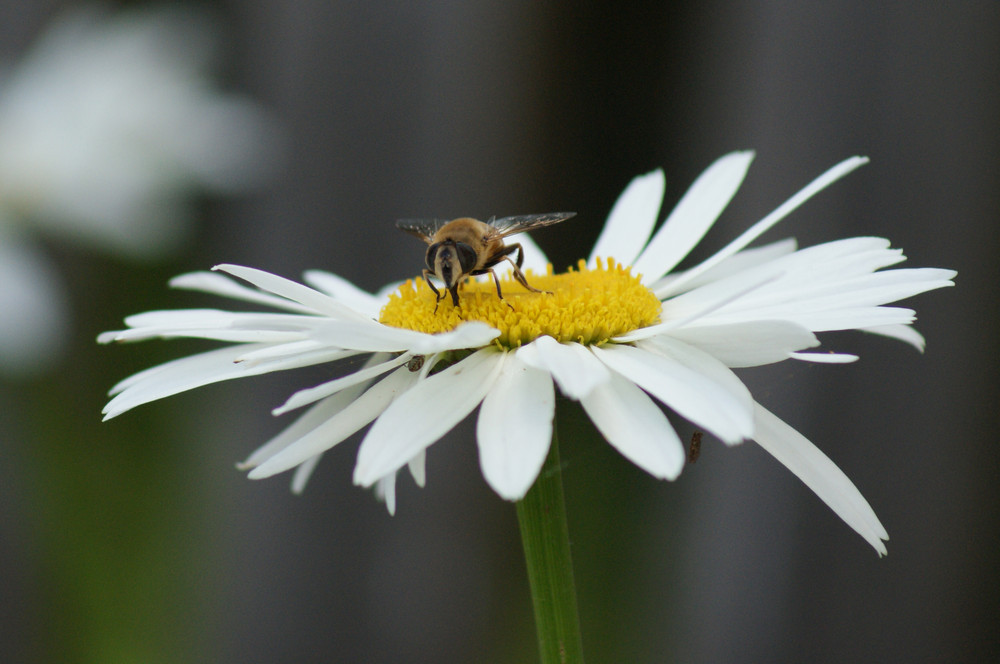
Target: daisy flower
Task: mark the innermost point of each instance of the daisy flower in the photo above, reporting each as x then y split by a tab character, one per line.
108	125
621	333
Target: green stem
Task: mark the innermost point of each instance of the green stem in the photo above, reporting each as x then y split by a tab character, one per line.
545	535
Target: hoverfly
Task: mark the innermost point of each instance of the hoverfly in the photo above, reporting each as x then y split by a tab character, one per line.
468	247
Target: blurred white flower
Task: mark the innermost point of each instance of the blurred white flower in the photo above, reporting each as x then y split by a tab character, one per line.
108	126
613	338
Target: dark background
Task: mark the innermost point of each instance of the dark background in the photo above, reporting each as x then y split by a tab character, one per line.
137	541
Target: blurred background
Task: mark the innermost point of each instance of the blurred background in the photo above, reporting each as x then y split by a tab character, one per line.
309	128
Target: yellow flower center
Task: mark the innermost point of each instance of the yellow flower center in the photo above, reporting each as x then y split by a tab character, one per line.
584	306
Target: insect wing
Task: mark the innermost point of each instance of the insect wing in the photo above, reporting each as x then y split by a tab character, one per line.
422	228
526	222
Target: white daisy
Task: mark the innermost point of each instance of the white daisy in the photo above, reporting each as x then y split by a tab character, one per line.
107	126
616	342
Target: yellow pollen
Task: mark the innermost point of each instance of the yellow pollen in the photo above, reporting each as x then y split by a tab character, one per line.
583	305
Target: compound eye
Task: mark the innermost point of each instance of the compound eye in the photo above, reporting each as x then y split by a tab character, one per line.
431	255
466	257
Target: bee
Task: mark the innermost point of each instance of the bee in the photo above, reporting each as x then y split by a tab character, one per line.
467	247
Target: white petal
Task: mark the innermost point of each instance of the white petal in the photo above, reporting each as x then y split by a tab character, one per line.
417	466
748	344
174	377
744	260
634	425
216	325
220	319
791	277
371	336
385	490
826	321
701	305
696	397
343	290
825	358
308	421
821	475
631	220
844	258
783	210
827	287
219	284
313	394
269	352
573	366
335	429
303	473
108	337
514	428
197	370
425	413
904	333
710	368
822	264
272	283
693	216
889	286
842	291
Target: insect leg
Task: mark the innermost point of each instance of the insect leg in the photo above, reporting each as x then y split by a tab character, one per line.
496	280
520	254
437	294
521	279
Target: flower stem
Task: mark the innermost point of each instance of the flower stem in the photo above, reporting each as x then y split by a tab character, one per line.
545	536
